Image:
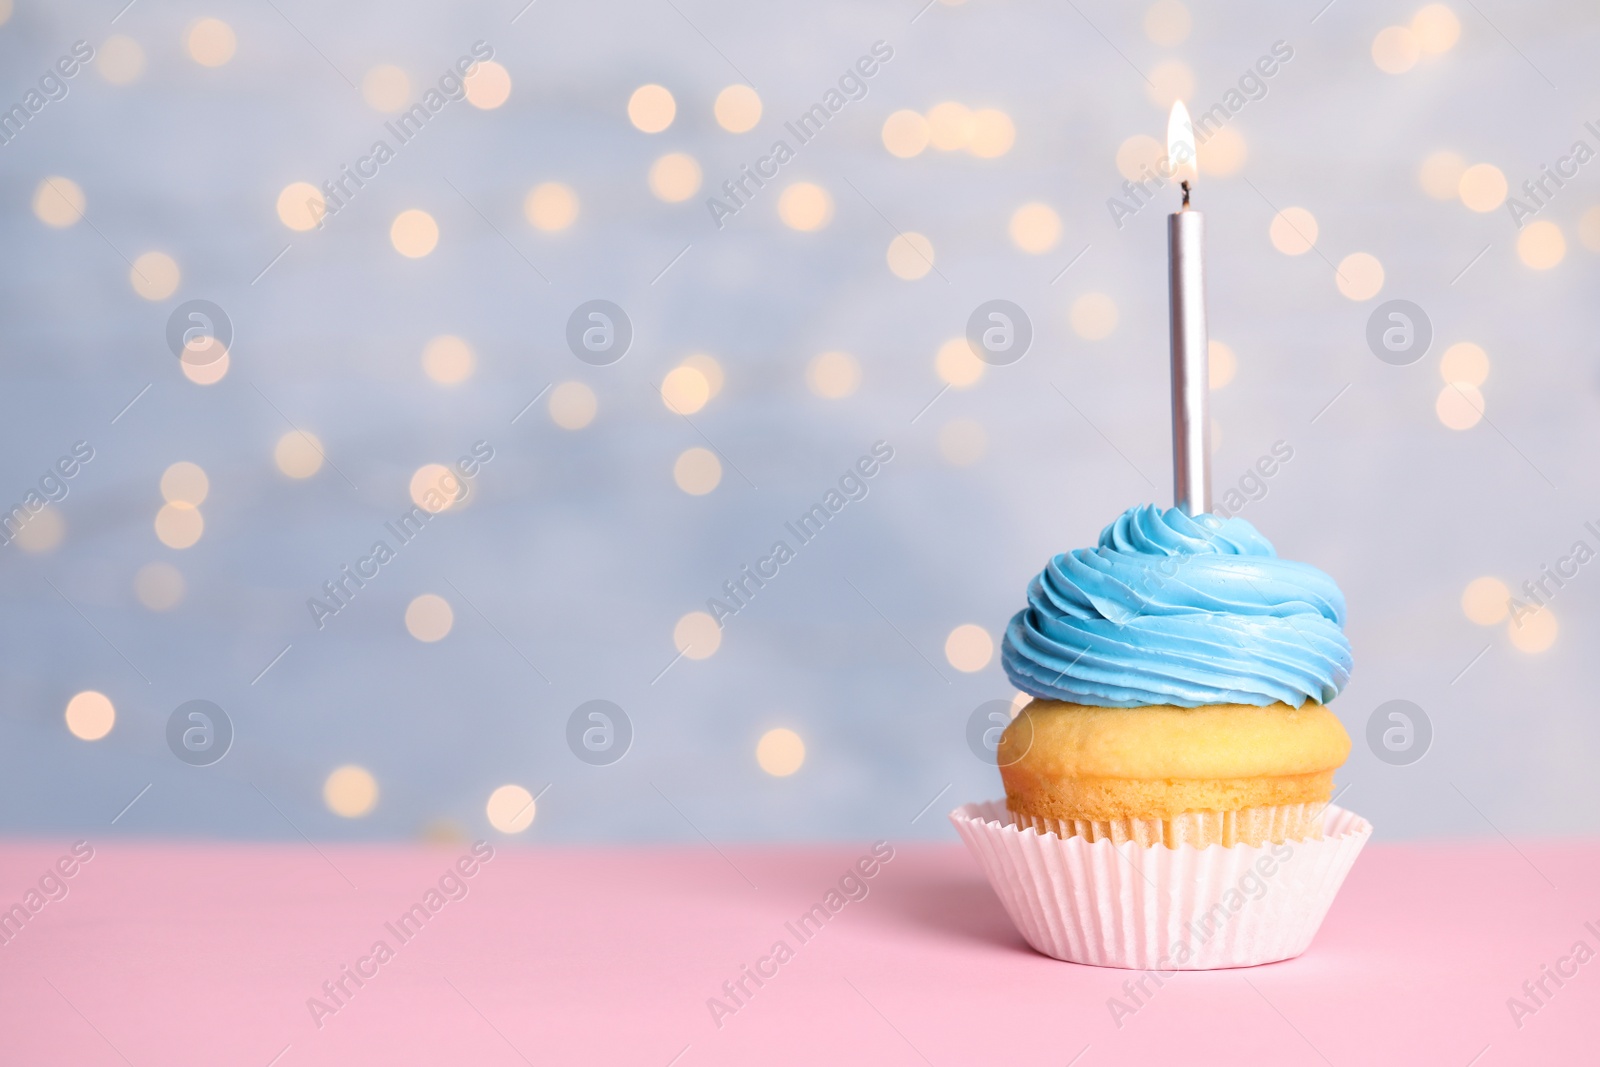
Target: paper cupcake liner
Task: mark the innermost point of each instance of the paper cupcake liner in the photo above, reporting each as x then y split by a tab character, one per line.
1246	826
1158	908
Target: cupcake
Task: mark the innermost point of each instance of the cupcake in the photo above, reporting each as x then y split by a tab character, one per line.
1168	789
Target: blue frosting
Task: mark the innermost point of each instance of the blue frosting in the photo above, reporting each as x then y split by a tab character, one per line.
1170	609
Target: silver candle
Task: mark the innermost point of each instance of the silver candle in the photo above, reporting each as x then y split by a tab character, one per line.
1186	282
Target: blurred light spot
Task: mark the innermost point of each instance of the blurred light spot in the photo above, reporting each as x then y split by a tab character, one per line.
551	206
488	85
962	442
1482	187
697	635
300	206
905	133
833	375
1534	631
1589	229
969	648
1440	175
950	126
651	108
1293	231
386	88
1464	362
443	832
435	487
572	405
1138	156
738	108
179	525
957	364
90	715
43	532
1166	23
120	60
448	359
1223	364
298	454
804	206
1396	49
429	618
1459	406
414	233
675	177
993	133
511	809
1360	276
697	471
1035	228
1436	28
1223	153
1486	601
185	483
5	11
159	586
1094	316
1020	701
207	373
1540	244
1169	82
710	368
350	791
211	42
685	390
58	202
154	276
910	256
780	752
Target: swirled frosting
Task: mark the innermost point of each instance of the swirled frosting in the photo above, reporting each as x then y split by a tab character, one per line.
1173	609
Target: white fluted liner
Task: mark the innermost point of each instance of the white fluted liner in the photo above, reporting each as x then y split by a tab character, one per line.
1130	905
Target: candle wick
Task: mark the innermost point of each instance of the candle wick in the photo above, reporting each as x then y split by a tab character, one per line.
1185	186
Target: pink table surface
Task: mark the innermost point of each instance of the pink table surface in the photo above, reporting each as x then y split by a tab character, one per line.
196	953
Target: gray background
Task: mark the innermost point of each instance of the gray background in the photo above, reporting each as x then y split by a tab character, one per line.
580	549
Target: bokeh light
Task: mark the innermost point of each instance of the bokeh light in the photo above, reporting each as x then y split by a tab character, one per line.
950	126
1293	231
1437	29
179	525
685	390
1464	362
120	60
780	752
1222	364
1440	174
1541	245
1360	276
1482	187
1589	229
301	205
993	133
738	108
697	471
185	483
42	533
1169	82
448	359
962	442
435	487
1035	228
429	618
510	809
159	586
1486	601
488	85
350	791
551	206
1533	631
1093	316
298	454
1396	49
651	108
697	635
58	202
90	715
414	233
910	256
1459	406
905	133
386	88
969	648
957	364
207	373
833	375
1139	156
210	42
1167	23
675	177
154	276
573	405
709	368
804	206
1223	154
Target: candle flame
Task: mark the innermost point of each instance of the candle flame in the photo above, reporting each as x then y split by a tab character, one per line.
1181	155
